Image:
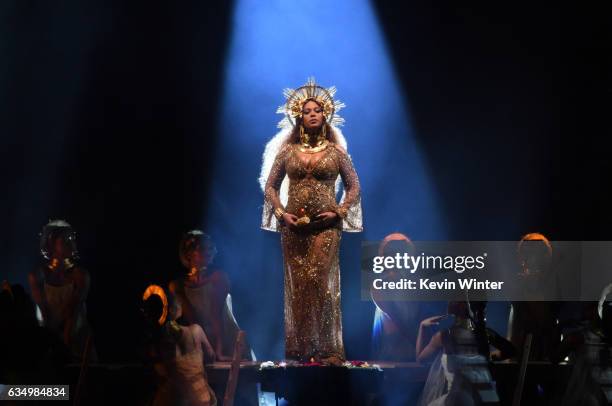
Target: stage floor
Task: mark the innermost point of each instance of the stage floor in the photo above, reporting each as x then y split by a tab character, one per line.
394	383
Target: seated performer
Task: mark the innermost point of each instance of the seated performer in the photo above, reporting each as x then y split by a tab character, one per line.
204	295
590	351
460	373
536	317
60	287
395	322
177	353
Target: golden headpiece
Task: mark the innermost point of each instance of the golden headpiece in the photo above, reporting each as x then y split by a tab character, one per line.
535	237
158	291
296	98
394	237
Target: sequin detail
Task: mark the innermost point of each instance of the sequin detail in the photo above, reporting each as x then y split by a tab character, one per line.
313	319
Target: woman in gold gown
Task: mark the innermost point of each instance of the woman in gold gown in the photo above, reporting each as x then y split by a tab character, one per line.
312	157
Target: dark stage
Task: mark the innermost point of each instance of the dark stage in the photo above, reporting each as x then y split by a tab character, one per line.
138	121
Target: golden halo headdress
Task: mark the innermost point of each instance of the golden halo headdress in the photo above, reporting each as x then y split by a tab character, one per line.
535	237
158	291
296	98
394	237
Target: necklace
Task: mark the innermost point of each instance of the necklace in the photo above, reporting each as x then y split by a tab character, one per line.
53	264
194	270
305	140
308	149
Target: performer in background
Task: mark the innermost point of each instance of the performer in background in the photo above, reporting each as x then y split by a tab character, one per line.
536	317
60	287
204	294
394	332
439	389
589	349
177	353
459	351
300	176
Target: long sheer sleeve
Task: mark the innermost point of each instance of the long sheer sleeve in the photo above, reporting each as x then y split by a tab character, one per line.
272	199
350	204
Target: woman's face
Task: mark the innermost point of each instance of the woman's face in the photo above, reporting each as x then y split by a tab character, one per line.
61	248
312	115
458	309
202	256
534	257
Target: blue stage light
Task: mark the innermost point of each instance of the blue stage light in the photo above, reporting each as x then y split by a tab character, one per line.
278	44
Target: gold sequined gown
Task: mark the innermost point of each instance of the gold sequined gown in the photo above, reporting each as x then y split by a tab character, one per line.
313	321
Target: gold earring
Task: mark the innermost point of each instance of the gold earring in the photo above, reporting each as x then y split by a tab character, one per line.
303	136
323	134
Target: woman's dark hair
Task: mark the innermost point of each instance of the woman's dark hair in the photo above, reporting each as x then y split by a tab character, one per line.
152	309
170	332
458	308
393	247
294	138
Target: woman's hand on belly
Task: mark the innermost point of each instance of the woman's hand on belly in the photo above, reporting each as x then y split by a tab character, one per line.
327	217
290	220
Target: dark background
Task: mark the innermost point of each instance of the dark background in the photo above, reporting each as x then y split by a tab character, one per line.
108	115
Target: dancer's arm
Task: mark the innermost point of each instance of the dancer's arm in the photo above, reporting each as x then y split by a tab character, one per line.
80	283
36	282
434	344
202	340
220	291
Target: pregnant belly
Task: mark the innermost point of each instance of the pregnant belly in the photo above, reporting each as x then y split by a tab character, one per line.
310	199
